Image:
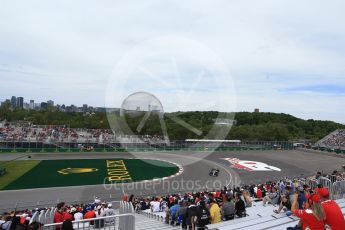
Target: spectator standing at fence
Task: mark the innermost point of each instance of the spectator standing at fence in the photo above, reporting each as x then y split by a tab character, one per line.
89	213
77	216
311	218
59	215
318	177
109	211
100	212
334	215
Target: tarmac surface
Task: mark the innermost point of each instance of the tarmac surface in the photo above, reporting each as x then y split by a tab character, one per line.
195	176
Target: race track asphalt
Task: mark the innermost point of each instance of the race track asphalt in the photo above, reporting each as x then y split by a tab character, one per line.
195	176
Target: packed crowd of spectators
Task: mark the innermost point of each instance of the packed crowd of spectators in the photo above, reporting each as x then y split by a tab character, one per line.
292	197
334	140
54	134
198	209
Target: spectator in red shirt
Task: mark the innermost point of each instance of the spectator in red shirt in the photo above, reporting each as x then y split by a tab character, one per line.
311	218
89	214
125	197
259	193
334	216
59	215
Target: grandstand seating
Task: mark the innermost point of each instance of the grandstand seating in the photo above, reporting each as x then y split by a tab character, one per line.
259	217
334	140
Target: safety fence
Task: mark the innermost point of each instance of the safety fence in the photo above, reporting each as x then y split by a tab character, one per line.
27	147
125	220
336	188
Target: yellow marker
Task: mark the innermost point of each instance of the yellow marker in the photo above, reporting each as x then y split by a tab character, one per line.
77	170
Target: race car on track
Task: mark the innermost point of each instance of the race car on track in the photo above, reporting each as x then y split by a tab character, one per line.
214	172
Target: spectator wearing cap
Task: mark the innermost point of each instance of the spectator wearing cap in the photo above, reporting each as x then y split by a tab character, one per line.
215	216
311	218
334	215
109	211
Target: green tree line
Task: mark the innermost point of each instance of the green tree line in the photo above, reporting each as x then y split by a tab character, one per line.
248	126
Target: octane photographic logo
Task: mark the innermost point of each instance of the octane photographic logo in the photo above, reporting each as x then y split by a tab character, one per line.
161	76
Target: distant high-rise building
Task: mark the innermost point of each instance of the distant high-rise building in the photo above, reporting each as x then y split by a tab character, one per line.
85	108
32	104
44	105
14	102
37	106
50	102
20	102
256	110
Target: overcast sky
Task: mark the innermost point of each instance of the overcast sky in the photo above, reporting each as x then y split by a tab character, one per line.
279	56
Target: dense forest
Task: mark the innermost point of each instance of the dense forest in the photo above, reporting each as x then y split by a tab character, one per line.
248	126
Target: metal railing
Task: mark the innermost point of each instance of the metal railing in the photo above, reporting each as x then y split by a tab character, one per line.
120	222
87	146
338	190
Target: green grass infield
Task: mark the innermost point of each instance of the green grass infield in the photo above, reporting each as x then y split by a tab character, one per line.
62	173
